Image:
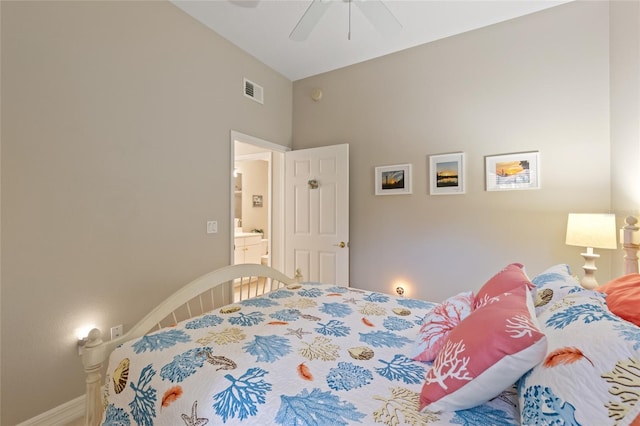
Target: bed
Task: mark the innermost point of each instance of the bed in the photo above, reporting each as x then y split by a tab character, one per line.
281	351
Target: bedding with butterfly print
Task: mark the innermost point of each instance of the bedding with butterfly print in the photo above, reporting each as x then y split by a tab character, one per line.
307	354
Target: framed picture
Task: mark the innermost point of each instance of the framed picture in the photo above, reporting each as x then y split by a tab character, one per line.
446	174
513	171
257	200
393	180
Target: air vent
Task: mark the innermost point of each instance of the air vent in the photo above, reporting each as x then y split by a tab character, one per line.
253	91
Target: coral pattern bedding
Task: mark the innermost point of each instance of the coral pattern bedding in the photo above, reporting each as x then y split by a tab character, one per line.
590	374
308	354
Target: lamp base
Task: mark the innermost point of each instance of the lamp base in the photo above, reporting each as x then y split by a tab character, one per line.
589	279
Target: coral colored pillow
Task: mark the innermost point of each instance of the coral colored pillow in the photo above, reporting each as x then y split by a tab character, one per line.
486	353
438	323
623	297
512	276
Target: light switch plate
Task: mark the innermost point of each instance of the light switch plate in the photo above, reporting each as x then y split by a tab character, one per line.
212	227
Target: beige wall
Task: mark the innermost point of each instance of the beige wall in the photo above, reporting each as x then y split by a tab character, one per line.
625	109
536	83
116	119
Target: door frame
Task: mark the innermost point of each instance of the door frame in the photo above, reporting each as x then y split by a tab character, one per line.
276	188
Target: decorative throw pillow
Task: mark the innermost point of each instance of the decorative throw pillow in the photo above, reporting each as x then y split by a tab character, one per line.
438	323
623	297
486	353
590	374
553	285
512	276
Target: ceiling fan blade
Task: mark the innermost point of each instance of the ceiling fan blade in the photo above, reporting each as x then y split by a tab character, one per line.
307	23
245	3
380	16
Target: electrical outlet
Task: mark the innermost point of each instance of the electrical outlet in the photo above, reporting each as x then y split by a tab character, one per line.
116	331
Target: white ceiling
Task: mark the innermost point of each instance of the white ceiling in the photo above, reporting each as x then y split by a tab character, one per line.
262	28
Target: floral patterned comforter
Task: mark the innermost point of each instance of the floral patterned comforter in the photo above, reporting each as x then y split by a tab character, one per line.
308	354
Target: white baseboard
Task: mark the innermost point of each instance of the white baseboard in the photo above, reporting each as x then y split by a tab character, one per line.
61	415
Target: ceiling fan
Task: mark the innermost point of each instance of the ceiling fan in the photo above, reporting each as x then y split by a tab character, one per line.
375	11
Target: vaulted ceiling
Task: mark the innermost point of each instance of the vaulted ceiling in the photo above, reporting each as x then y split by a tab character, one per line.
262	27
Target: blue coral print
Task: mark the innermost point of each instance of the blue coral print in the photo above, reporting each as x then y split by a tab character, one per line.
377	297
484	415
316	408
142	406
333	328
185	364
160	341
286	315
247	320
242	397
550	277
384	338
311	292
116	417
280	294
348	376
588	313
415	304
268	348
203	322
396	324
259	302
630	333
543	407
402	368
336	309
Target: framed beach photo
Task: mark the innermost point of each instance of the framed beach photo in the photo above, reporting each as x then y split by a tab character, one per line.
393	180
446	174
509	172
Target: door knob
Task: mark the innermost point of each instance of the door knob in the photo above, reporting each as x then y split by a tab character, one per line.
341	245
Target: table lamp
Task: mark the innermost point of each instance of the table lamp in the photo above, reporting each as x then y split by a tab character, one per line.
591	230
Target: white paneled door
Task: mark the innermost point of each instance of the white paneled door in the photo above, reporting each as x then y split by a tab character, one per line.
317	213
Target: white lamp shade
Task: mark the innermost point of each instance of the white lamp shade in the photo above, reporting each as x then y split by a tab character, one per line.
596	230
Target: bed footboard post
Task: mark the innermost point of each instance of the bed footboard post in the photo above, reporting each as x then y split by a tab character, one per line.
630	246
93	380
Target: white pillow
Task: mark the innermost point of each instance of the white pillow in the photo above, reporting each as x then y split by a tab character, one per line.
438	323
553	285
591	371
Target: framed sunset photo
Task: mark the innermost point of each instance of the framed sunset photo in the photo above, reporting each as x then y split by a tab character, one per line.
446	174
393	180
509	172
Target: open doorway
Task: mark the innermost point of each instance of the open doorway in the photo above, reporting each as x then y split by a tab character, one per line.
308	214
257	201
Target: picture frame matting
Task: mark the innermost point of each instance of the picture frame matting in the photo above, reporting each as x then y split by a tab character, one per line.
447	174
508	172
393	180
